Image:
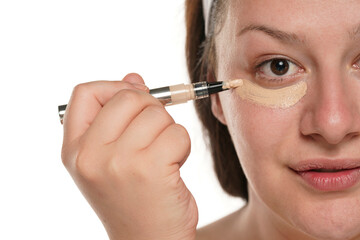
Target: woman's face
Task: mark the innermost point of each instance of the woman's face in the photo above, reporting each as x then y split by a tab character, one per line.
285	151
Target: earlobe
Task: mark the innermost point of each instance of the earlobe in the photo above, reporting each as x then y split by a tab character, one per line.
216	108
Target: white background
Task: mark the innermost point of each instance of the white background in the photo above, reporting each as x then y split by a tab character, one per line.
48	47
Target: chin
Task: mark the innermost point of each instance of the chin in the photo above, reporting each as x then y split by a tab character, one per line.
332	221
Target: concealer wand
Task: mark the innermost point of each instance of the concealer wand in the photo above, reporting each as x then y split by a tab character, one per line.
182	93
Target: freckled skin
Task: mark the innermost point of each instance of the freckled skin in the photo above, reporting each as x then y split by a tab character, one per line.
324	124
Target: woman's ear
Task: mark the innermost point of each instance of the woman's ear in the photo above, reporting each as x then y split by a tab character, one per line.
216	107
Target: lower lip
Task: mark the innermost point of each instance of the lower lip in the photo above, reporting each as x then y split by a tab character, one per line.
331	181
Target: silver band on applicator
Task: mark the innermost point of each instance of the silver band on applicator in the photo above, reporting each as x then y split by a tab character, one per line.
182	93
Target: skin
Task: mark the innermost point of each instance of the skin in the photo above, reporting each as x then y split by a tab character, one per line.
325	123
124	150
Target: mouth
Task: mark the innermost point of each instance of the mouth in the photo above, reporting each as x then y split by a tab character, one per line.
328	175
326	170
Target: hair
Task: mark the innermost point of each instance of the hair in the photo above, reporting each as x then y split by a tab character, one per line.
201	61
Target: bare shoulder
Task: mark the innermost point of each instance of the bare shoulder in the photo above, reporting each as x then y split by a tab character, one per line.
224	228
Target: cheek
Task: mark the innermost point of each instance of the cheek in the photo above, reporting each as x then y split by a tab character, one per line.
263	137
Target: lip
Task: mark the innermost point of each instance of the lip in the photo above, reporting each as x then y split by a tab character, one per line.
328	174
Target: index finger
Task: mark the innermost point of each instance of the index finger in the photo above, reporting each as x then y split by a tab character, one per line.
86	101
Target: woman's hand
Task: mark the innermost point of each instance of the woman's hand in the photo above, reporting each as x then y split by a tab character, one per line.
124	152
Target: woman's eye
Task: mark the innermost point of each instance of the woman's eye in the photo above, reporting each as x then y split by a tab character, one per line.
278	67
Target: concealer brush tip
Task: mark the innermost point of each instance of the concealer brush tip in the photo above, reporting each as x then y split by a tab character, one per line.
233	83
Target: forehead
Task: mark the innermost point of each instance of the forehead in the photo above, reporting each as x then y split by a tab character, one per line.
300	16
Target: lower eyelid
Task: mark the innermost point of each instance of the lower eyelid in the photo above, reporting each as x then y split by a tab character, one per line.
278	82
261	75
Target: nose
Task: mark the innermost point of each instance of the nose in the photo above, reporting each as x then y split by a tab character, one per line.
332	116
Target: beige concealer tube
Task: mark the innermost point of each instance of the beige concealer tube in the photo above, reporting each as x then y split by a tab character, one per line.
274	98
181	93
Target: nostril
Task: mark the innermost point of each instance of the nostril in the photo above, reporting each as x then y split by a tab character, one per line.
332	115
328	141
352	136
332	128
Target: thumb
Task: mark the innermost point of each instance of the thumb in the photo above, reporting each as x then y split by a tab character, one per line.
134	78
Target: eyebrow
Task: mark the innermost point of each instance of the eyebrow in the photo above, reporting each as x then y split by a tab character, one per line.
282	36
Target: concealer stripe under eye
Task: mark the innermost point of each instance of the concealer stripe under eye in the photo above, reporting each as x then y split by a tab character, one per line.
274	98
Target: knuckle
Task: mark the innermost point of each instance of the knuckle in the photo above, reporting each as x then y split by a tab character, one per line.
117	170
80	89
85	166
181	132
128	96
65	157
119	161
160	113
182	136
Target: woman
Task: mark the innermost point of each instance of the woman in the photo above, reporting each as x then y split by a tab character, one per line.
287	141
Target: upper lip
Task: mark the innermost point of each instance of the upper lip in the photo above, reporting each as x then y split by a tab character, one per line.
335	164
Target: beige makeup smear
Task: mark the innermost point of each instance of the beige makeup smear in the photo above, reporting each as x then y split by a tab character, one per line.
233	83
275	98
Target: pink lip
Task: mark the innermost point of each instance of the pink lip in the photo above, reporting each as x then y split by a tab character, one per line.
346	173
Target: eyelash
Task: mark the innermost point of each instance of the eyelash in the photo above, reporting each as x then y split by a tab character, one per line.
276	80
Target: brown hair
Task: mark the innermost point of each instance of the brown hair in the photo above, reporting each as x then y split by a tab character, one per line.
201	60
